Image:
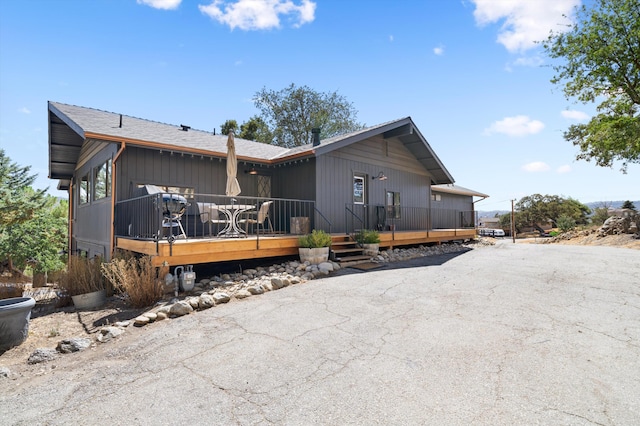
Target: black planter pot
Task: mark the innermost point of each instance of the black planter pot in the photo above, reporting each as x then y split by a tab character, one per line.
14	321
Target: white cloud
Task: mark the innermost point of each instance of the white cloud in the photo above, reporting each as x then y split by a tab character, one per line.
391	38
529	61
536	166
520	125
524	21
24	110
575	115
161	4
564	169
259	14
438	50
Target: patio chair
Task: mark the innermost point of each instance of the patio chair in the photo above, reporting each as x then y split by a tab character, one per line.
261	216
210	213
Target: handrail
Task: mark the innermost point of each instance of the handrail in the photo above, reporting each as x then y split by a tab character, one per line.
322	216
346	218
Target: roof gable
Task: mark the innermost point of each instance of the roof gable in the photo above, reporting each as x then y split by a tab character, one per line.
403	130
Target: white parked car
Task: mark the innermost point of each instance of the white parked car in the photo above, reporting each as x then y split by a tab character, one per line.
490	232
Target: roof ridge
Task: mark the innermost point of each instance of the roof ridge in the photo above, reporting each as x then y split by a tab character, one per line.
138	118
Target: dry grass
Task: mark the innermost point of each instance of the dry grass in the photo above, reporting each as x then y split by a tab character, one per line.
136	278
82	276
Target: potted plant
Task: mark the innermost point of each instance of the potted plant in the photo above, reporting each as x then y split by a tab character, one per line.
369	240
84	282
314	247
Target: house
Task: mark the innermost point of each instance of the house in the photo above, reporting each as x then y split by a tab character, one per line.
384	177
450	197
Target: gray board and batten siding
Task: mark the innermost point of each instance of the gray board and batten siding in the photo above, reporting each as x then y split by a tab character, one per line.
92	220
367	158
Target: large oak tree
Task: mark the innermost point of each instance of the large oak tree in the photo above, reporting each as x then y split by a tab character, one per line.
600	62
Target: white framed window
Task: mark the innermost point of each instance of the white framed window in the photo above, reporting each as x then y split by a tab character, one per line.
436	197
359	189
102	181
84	192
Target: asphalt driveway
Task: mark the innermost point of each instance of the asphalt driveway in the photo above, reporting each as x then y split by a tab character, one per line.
503	335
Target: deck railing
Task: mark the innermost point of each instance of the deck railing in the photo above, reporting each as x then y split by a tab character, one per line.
143	217
401	218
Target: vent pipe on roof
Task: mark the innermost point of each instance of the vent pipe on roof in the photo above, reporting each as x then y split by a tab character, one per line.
120	120
185	127
316	136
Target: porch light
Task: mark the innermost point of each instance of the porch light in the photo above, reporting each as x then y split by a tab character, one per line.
380	176
253	171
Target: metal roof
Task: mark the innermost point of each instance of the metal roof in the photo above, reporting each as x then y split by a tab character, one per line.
459	190
70	126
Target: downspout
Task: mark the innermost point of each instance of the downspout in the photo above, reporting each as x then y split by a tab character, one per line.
70	220
475	214
112	241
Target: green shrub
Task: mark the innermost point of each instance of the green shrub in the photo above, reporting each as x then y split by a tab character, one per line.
317	238
367	236
554	233
566	223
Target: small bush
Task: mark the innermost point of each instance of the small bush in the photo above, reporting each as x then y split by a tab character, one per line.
367	236
136	278
317	238
566	223
82	276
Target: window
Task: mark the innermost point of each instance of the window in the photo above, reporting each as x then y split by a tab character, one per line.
102	181
83	190
436	197
264	186
393	205
358	189
181	190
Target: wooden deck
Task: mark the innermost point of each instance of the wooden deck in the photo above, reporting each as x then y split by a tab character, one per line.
210	250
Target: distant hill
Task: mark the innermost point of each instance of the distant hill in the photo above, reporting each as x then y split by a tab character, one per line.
594	205
610	204
492	213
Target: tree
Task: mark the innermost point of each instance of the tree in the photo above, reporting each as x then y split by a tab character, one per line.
536	209
18	202
39	241
229	126
601	53
600	214
628	205
292	112
256	130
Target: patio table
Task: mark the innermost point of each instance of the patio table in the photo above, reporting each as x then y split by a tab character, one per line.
233	212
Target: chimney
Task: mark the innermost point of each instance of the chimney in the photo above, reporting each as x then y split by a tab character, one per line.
316	136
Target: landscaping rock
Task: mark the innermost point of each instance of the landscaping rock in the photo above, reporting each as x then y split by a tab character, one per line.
42	355
151	315
206	301
242	294
180	308
221	298
4	372
75	344
109	332
141	321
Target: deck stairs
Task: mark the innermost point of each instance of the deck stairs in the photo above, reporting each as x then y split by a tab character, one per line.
345	251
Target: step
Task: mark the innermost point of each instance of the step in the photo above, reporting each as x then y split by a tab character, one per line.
352	258
347	250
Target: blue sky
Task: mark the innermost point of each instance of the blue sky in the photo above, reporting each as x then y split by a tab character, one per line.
468	72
